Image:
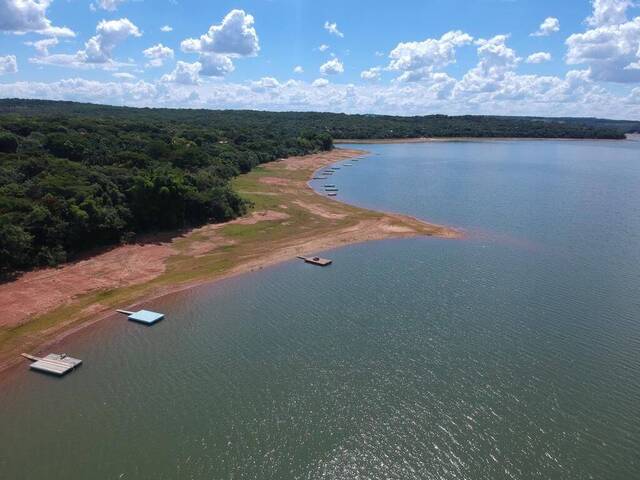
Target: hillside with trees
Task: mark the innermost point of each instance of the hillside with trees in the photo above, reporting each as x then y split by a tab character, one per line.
78	176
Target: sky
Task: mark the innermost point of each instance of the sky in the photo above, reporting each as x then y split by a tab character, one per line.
402	57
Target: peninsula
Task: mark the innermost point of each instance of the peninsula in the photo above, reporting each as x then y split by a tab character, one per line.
104	207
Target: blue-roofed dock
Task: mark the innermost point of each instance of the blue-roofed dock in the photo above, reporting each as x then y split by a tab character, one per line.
143	316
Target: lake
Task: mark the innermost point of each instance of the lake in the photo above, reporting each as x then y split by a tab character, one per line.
511	354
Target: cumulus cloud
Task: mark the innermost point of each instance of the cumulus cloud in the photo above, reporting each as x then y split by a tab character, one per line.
166	28
80	90
609	12
22	16
98	50
574	94
417	60
539	57
298	69
184	73
214	65
109	33
8	64
371	73
332	28
266	84
42	46
323	47
496	59
109	5
549	26
611	49
235	37
332	67
157	54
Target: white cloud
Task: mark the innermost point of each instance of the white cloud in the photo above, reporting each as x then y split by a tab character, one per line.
42	46
332	67
109	5
332	28
371	74
184	73
320	83
22	16
323	47
79	89
549	26
610	50
539	57
266	84
214	65
495	61
124	76
634	96
166	28
8	64
418	60
573	95
609	12
235	37
298	69
157	55
99	48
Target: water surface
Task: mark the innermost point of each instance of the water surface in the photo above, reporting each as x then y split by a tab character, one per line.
512	354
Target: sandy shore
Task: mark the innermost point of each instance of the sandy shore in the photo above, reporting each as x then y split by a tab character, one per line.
289	218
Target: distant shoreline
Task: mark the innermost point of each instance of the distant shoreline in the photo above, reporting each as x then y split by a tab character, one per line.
346	141
289	219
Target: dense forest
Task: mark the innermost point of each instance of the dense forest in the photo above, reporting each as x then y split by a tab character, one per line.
76	176
73	181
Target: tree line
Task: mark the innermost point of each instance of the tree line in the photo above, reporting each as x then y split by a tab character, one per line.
77	176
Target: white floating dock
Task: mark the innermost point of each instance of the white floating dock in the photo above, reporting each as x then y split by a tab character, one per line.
143	316
53	363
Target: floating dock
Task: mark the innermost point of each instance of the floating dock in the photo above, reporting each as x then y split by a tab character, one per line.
322	262
53	363
347	164
143	316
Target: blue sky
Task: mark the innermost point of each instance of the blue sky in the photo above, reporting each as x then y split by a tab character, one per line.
542	57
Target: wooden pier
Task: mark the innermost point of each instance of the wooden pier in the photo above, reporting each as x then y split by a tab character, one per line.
322	262
53	363
143	316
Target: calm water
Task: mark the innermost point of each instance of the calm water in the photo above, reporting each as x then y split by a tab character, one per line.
512	354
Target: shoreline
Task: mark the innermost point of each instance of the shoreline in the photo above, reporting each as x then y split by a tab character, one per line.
383	141
289	218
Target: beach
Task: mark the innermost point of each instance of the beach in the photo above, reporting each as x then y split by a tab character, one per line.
287	219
